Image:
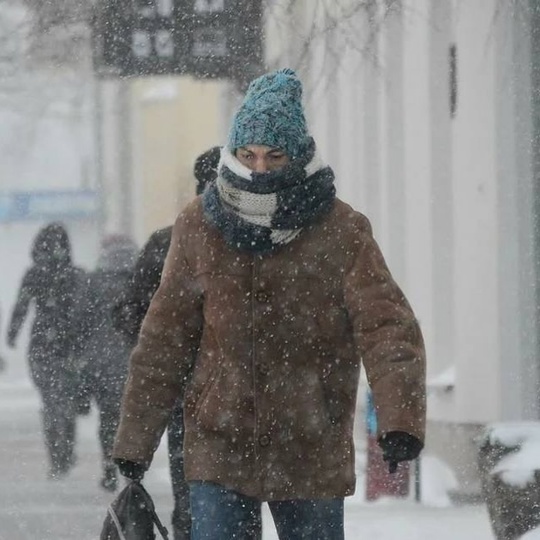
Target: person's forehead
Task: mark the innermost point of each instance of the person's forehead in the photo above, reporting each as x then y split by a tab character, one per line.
260	148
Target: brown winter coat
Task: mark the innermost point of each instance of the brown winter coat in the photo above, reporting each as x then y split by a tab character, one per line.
270	347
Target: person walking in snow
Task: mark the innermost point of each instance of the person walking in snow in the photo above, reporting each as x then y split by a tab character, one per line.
103	349
273	293
129	314
52	285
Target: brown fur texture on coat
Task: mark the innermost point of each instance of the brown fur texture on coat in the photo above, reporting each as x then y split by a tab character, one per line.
268	350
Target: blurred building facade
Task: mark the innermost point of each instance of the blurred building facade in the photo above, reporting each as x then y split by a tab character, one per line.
46	145
150	132
166	70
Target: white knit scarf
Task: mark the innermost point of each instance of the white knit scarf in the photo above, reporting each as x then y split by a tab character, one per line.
256	208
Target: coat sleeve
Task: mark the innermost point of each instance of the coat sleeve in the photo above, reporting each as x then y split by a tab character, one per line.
161	361
25	296
388	338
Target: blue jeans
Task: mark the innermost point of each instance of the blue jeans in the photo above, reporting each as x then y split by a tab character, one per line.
221	514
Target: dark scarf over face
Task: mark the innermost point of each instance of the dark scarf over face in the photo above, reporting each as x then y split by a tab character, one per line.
259	212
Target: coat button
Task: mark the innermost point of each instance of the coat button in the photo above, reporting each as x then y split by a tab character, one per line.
264	440
263	368
262	296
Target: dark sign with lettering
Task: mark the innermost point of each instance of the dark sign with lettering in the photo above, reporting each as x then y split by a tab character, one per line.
205	38
138	37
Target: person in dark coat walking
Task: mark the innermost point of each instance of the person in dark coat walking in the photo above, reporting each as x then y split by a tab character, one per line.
104	349
273	294
129	314
52	285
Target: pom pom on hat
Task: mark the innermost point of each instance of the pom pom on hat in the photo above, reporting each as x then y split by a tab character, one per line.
272	114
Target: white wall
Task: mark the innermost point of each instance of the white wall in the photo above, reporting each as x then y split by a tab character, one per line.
475	218
442	356
450	198
392	119
418	147
518	338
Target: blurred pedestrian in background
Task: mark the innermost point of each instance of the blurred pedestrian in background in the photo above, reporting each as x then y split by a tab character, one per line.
52	285
129	314
104	350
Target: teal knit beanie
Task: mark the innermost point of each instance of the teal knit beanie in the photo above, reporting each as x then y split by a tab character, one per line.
272	114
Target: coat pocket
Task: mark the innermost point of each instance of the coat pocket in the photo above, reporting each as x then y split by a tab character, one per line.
206	391
226	406
302	414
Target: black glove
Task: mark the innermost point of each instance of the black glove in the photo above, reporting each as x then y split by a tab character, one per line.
399	446
130	469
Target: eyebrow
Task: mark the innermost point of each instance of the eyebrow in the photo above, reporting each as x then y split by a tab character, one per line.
272	151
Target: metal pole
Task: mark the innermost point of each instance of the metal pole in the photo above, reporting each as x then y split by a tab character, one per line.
417	480
125	162
98	152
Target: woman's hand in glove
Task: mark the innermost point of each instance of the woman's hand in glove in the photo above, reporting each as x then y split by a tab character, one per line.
130	469
398	446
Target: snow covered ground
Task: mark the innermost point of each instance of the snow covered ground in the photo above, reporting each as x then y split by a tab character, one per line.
33	508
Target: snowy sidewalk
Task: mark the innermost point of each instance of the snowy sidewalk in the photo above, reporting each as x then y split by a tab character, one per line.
34	508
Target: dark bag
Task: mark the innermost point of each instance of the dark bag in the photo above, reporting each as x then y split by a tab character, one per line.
132	516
